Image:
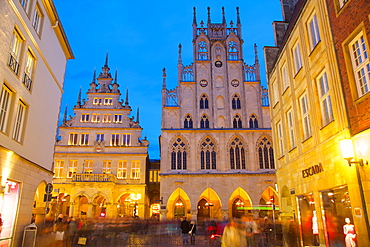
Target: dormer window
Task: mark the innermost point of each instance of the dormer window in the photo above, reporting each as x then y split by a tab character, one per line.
108	101
97	101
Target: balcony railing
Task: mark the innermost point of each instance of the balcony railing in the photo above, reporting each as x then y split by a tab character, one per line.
88	177
13	64
27	81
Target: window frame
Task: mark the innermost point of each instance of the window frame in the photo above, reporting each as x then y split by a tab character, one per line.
114	141
358	66
326	105
280	138
38	18
297	58
84	139
117	118
29	70
305	113
126	139
72	168
135	169
73	139
19	123
122	169
6	98
88	166
285	77
59	168
313	31
290	123
107	167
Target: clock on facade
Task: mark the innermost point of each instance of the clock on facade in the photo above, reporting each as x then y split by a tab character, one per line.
218	64
203	83
235	83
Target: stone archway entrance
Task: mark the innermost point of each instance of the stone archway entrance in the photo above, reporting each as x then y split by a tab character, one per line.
99	208
203	210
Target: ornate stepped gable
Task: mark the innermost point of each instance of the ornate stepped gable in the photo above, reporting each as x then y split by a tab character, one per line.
99	89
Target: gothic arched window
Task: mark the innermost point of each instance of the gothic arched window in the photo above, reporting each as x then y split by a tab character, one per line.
204	122
178	155
188	122
235	102
203	104
202	50
237	122
207	154
237	154
266	154
233	51
253	122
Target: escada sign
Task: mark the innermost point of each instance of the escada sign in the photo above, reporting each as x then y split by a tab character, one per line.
312	170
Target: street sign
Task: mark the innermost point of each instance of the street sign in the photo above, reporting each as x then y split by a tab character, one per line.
49	188
47	197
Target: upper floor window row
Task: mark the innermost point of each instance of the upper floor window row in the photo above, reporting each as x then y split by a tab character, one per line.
106	118
82	139
14	60
100	101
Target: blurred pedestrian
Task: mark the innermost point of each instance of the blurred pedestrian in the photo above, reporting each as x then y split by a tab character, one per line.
185	228
233	235
72	232
193	230
293	233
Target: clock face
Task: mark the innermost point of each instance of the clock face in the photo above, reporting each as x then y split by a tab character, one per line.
203	83
218	64
235	83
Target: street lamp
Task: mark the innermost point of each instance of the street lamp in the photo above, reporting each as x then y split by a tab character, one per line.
348	153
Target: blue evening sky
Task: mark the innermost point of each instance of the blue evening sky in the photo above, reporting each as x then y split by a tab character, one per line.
142	38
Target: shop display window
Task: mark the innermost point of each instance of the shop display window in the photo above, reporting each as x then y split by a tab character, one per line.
309	221
9	210
337	207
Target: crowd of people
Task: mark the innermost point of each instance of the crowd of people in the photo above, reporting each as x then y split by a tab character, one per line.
245	232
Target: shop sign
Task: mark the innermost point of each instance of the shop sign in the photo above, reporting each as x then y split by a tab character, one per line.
312	170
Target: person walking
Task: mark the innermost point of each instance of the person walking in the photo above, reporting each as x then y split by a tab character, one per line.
193	230
185	228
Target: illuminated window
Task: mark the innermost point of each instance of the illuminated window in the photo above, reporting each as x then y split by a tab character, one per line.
122	169
275	91
135	169
37	19
117	118
360	64
126	140
88	166
72	169
325	99
106	118
313	32
95	118
19	121
114	140
72	141
84	141
85	117
342	3
97	101
5	101
108	101
28	72
58	169
107	166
